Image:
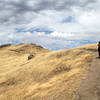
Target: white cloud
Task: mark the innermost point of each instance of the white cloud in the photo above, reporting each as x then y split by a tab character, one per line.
53	41
49	15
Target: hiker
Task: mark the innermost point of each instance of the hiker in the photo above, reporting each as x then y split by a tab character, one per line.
99	49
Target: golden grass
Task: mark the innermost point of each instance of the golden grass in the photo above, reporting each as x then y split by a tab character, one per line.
48	76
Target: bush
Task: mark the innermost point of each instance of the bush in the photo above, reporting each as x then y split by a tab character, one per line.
5	45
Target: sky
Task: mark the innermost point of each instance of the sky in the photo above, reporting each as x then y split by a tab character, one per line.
53	24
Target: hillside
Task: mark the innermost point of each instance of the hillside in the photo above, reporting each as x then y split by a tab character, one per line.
50	75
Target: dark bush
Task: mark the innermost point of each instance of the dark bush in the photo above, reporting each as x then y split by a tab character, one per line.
5	45
30	56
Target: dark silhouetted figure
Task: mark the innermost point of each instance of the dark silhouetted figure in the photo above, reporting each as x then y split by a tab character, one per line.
99	49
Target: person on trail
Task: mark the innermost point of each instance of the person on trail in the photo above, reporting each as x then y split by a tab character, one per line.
99	49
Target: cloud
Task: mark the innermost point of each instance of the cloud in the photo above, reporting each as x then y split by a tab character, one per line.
51	23
19	11
52	41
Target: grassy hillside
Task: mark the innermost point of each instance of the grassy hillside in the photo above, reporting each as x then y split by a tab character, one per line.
48	76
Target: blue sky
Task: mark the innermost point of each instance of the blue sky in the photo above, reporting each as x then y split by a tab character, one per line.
53	24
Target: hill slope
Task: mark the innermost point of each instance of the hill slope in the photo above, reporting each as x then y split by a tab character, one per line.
48	76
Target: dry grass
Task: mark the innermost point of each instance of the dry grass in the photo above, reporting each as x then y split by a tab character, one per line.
48	76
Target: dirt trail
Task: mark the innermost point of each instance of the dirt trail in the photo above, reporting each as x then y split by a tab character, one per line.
90	88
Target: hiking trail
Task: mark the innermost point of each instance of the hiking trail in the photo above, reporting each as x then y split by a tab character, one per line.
90	87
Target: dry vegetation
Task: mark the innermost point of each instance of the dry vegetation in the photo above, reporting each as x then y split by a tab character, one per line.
48	76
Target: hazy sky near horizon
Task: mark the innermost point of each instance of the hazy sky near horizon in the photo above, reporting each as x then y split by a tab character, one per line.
54	24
